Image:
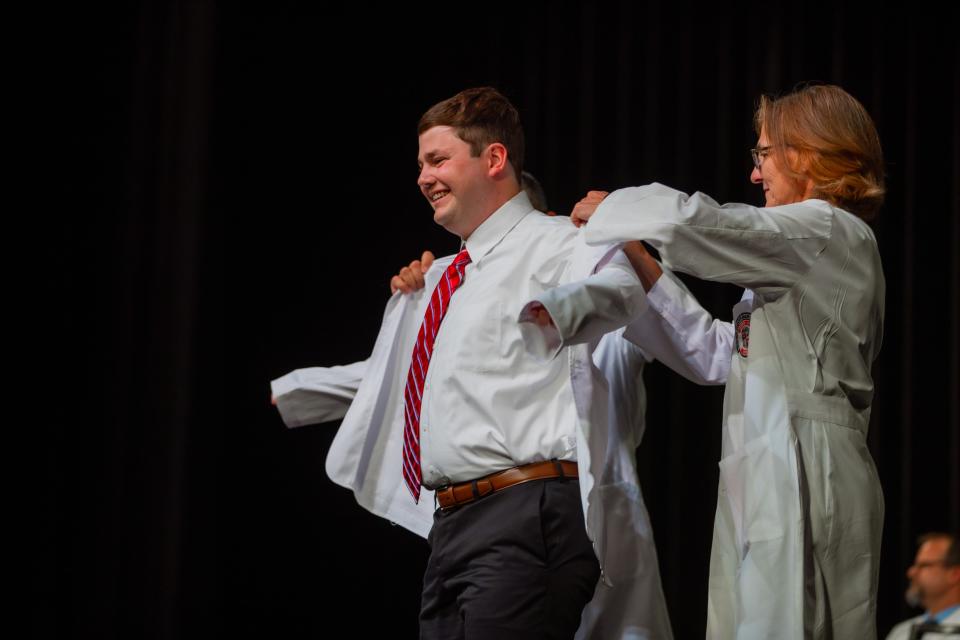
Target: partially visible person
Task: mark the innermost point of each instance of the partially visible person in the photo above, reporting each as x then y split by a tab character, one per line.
534	190
935	586
796	545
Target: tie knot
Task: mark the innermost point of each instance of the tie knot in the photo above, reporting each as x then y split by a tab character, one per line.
463	258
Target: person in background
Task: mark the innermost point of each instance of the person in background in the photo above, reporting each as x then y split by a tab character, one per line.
534	190
935	586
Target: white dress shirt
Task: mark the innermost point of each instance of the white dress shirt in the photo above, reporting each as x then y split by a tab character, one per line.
487	405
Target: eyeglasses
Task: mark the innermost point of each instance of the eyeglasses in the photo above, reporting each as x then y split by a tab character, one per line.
760	154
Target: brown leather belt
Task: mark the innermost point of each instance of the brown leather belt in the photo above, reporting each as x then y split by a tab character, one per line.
461	493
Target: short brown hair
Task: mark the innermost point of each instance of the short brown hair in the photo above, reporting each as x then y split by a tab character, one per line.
480	117
836	143
952	556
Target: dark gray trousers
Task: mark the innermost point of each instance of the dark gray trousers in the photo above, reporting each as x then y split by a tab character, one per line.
516	564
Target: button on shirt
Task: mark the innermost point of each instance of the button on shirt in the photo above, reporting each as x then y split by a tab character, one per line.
488	405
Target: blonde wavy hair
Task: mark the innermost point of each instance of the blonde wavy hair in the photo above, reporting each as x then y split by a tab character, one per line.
835	145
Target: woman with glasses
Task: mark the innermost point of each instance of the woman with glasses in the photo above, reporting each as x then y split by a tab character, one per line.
799	513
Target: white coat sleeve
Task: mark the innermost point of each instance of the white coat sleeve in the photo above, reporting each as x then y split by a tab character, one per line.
584	311
681	334
763	249
317	394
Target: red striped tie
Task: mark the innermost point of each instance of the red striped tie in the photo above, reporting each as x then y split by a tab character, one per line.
422	350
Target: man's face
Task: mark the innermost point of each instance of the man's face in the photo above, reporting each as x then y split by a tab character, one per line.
454	182
929	578
778	187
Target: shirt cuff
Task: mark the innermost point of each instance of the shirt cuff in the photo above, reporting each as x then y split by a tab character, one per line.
283	389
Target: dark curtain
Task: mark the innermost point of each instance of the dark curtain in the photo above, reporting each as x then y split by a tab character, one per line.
231	188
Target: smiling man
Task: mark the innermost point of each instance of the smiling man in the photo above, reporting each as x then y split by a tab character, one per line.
516	562
468	172
451	410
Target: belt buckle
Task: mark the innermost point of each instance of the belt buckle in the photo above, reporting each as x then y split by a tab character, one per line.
453	497
450	489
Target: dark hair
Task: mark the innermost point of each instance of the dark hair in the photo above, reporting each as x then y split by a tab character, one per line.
952	557
480	117
531	186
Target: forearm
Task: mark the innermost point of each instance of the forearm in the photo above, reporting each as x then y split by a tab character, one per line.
647	269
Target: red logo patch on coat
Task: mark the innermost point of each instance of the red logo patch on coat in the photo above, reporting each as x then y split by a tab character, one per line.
742	327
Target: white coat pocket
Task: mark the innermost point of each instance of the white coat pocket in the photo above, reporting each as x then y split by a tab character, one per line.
753	481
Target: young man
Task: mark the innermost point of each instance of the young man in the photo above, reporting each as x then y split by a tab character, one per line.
518	453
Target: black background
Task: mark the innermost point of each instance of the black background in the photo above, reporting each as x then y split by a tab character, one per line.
229	189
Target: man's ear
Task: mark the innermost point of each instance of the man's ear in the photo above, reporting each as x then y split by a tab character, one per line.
497	161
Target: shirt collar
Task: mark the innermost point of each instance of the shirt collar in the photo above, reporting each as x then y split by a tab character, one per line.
943	614
495	228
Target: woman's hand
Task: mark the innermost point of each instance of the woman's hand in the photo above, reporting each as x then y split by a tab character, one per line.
585	208
410	277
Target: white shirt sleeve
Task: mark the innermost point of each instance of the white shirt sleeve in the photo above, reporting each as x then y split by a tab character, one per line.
680	333
317	394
